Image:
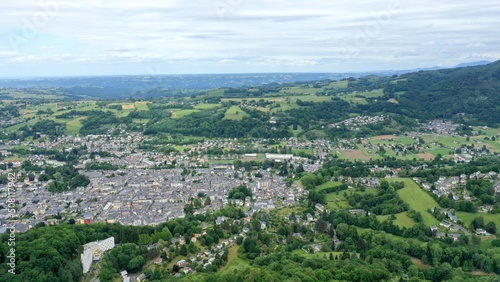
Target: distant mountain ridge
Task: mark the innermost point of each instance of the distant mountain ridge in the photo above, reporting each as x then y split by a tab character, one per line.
473	64
119	87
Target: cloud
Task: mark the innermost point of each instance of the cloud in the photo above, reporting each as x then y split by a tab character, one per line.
202	36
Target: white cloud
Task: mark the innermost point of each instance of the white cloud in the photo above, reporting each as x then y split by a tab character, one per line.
202	36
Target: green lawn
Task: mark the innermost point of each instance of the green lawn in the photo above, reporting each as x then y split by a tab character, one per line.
235	113
418	200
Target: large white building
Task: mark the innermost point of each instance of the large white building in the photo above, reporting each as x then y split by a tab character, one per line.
94	250
279	156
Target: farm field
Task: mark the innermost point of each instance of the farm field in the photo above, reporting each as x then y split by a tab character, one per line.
183	113
418	200
355	154
203	106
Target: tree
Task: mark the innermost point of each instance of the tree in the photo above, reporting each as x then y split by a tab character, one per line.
478	222
418	217
175	268
136	264
105	275
436	253
183	251
144	239
491	227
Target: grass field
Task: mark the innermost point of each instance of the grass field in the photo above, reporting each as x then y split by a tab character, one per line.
339	84
183	113
402	220
467	218
328	185
128	106
336	202
141	106
418	200
232	259
203	106
306	151
235	113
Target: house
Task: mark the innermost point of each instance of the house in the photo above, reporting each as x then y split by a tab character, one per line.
445	224
141	277
357	211
483	232
124	274
182	263
320	208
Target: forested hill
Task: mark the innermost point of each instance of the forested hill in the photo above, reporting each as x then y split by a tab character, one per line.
471	92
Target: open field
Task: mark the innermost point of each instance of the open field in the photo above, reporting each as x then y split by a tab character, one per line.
203	106
384	137
418	200
183	113
128	106
355	154
141	106
305	151
426	156
235	113
328	184
467	218
402	220
232	259
339	84
336	202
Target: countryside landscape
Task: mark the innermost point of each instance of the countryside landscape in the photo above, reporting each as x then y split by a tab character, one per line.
232	140
213	184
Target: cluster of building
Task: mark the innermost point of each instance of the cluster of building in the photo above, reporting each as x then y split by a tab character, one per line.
357	122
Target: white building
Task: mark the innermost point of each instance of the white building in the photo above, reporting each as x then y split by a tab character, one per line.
279	156
94	250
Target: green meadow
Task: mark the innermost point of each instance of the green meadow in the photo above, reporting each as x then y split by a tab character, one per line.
418	200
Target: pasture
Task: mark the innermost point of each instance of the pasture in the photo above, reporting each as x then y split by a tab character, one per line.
402	220
183	113
235	113
467	218
418	200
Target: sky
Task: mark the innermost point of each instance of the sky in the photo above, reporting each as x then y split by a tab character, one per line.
117	37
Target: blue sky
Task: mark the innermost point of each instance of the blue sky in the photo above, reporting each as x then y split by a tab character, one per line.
97	37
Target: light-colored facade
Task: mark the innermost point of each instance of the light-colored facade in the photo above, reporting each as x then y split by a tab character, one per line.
95	249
